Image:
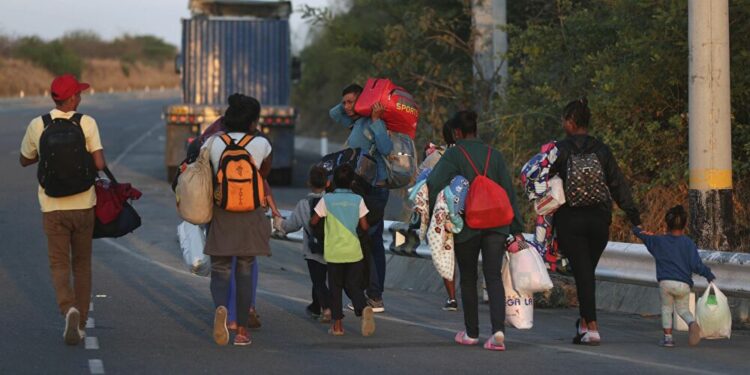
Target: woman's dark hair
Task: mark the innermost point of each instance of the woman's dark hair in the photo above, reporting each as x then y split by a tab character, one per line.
578	112
242	112
317	178
448	133
352	89
676	218
466	121
343	176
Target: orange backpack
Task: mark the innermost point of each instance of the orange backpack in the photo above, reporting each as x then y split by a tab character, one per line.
240	185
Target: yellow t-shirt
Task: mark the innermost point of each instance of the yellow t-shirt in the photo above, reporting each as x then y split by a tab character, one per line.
30	150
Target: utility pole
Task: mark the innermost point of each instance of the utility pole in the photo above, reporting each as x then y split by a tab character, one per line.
710	135
490	46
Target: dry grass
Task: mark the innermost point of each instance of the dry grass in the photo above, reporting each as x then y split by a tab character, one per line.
103	75
18	75
655	203
106	74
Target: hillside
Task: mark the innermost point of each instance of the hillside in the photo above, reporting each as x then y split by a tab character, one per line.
132	62
102	74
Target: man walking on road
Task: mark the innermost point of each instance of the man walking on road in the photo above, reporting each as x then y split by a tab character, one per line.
68	149
370	135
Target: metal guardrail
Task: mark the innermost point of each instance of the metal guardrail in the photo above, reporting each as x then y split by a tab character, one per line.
625	263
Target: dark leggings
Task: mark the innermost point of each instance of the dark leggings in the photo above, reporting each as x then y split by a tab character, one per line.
582	236
346	277
221	271
492	247
321	296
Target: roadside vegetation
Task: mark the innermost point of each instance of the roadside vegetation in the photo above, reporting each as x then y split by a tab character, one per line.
129	61
630	58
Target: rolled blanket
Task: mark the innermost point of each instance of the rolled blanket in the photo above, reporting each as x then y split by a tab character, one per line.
440	239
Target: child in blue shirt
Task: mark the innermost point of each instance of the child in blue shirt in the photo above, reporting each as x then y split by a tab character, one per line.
344	212
677	259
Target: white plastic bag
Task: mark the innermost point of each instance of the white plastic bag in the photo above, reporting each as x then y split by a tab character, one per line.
552	199
519	308
713	315
528	271
192	241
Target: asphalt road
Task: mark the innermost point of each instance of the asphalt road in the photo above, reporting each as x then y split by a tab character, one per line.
150	316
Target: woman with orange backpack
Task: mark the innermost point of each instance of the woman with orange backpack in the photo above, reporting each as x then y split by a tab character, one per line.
491	216
239	228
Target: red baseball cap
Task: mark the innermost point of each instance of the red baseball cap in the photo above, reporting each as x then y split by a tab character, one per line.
65	86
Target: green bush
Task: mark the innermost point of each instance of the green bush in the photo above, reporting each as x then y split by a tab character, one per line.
53	56
66	54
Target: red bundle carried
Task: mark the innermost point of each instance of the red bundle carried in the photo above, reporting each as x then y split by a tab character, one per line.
111	197
401	110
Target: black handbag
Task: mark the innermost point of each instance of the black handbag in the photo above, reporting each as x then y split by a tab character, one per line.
127	221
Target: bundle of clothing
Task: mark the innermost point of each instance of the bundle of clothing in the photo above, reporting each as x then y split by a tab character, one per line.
444	221
535	178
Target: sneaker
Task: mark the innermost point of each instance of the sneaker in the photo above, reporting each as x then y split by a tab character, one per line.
81	333
337	328
242	338
368	321
590	338
450	305
253	319
694	334
72	321
667	341
463	339
580	328
312	313
376	304
496	342
325	317
221	333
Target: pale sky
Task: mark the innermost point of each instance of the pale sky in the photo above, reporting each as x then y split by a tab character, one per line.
50	19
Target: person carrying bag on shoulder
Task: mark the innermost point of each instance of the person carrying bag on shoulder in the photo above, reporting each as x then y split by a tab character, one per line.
68	150
239	228
591	181
491	189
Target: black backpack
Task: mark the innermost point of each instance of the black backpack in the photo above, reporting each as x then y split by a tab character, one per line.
365	166
586	184
315	238
65	166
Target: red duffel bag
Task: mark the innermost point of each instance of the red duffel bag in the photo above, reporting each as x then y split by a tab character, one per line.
401	110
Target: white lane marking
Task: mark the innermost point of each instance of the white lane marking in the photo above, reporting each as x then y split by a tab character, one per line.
637	361
96	366
91	306
90	323
135	144
92	343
